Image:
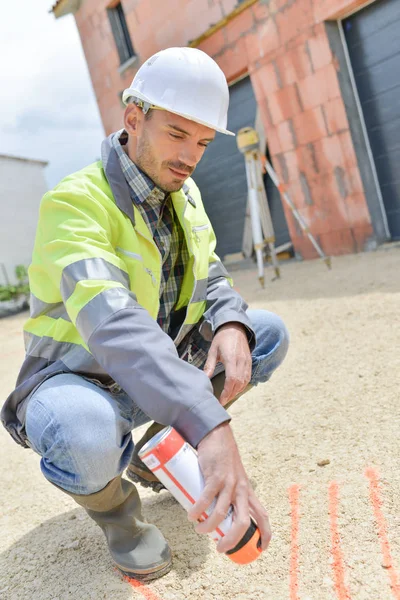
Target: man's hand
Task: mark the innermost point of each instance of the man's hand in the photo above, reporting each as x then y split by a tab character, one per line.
230	347
226	481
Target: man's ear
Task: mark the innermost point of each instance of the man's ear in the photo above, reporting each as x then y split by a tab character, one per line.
132	117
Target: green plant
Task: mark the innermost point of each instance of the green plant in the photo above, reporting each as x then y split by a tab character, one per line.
10	292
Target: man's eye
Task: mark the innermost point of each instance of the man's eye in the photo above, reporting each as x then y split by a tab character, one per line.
204	145
176	137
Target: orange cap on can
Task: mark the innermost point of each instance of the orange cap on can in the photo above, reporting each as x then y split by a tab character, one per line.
249	547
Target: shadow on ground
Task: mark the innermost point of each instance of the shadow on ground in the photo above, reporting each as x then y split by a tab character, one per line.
67	557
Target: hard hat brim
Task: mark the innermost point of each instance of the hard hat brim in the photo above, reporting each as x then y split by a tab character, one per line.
130	94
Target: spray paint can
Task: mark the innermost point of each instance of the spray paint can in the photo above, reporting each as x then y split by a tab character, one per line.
175	464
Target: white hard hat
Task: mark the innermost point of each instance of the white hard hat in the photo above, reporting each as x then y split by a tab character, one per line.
186	82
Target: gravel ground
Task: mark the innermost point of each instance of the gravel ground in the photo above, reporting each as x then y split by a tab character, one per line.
333	402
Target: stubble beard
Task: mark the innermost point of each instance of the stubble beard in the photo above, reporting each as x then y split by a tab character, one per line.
146	162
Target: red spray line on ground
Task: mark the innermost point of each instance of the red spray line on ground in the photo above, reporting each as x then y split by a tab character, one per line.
294	493
143	589
338	562
376	502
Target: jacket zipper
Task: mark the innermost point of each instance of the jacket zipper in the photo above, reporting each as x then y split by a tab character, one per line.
199	228
149	271
193	268
130	254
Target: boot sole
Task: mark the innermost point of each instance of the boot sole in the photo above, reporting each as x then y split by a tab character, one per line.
145	577
156	485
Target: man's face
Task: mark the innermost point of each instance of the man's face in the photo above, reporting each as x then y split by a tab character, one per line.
165	146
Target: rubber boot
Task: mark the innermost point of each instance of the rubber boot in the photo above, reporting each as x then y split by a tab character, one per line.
138	549
137	470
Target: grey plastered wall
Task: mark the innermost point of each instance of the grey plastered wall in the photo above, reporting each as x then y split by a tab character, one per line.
22	187
360	144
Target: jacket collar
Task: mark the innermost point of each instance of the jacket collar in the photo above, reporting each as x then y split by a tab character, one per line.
116	180
118	184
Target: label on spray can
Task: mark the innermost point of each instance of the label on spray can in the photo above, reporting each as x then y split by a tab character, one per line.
175	464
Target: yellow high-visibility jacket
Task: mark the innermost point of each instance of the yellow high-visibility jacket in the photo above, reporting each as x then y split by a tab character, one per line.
95	287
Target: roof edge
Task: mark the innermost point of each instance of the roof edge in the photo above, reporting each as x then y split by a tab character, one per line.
65	7
23	159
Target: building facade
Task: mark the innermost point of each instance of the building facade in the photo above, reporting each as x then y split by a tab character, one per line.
22	186
319	80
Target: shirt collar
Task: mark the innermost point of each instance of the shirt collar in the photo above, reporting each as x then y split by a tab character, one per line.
140	184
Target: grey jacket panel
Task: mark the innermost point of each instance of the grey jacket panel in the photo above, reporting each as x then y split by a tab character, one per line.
45	358
224	305
142	359
54	310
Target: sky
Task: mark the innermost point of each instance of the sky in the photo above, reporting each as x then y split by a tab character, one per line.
48	110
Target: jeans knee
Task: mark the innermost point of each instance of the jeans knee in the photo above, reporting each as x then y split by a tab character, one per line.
83	447
272	344
280	333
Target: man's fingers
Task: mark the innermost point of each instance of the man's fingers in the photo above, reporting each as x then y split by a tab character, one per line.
260	515
207	497
218	514
211	361
241	521
228	393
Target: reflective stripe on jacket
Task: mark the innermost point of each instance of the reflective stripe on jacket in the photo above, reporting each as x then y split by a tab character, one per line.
95	278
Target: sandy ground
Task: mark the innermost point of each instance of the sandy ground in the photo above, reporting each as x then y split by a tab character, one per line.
336	399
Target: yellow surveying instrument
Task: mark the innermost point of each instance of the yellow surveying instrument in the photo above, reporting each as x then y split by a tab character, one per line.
261	222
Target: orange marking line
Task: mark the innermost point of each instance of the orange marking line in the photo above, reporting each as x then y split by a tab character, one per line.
376	502
338	562
294	493
145	591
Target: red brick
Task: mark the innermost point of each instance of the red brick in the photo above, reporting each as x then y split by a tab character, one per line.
294	64
357	210
329	154
200	20
145	13
285	135
309	126
284	104
273	141
336	115
214	44
260	11
308	160
233	61
265	113
339	242
335	9
295	194
266	81
263	42
346	142
292	165
356	184
228	6
294	19
320	51
324	216
362	235
319	87
239	25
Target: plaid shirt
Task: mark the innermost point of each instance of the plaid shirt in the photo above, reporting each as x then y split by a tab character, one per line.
157	210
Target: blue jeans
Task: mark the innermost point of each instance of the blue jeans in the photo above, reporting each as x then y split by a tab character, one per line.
83	432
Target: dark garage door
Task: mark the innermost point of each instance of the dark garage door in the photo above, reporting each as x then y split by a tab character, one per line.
221	176
373	40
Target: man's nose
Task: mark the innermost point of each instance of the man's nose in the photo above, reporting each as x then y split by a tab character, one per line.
190	155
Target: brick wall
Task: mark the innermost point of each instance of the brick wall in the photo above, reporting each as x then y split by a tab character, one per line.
283	45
